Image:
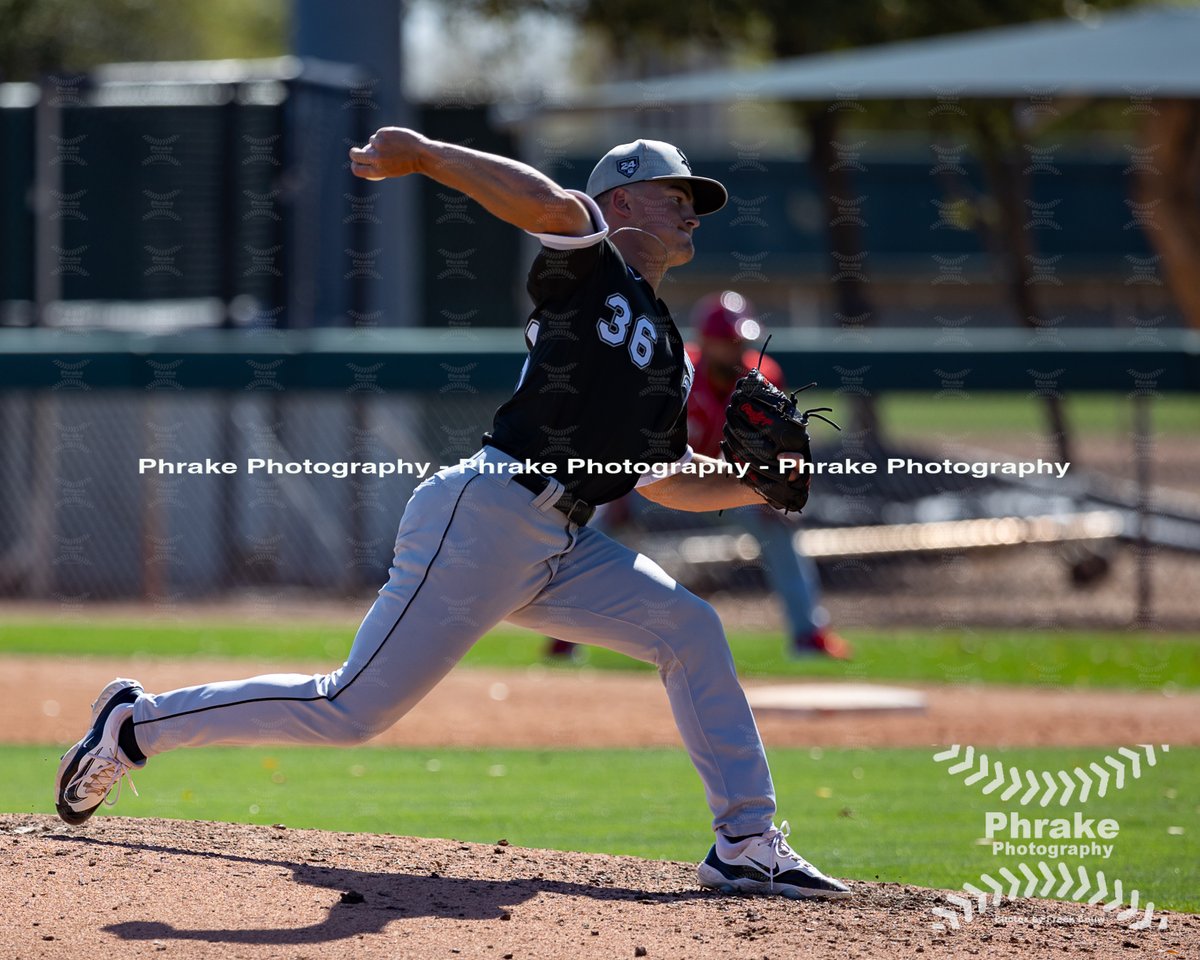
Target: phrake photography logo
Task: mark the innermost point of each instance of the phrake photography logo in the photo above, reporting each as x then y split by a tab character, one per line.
1049	855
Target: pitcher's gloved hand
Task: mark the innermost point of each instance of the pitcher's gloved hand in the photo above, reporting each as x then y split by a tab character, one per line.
762	424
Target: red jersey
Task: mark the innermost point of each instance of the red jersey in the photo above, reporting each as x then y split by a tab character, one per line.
707	403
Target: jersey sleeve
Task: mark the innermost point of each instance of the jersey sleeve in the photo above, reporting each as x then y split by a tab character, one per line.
557	241
648	478
564	262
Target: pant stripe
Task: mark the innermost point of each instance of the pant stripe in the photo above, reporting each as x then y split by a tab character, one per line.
363	669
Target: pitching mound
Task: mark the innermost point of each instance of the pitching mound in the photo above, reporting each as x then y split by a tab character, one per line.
122	887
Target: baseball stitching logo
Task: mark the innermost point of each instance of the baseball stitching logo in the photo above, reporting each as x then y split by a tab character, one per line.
1071	879
1139	918
628	167
1017	779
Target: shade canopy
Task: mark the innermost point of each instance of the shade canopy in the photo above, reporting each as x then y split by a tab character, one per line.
1150	52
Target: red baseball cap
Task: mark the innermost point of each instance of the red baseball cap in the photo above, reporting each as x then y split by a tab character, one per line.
725	316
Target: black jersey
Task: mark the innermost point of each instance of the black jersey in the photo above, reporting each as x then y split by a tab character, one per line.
607	375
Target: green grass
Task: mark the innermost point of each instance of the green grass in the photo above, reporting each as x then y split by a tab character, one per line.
891	815
977	413
1057	657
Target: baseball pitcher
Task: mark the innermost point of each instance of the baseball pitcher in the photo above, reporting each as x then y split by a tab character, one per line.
524	530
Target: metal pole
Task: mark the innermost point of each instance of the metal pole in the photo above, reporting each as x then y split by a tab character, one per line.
43	518
371	40
154	521
231	209
1143	448
47	189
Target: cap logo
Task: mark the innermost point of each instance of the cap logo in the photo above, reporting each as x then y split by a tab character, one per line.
628	167
683	157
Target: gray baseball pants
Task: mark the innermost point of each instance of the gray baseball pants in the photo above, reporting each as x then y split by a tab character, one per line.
475	548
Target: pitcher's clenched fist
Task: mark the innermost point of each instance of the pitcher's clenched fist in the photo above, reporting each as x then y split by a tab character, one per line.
391	152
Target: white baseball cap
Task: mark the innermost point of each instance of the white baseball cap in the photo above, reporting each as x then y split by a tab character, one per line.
654	160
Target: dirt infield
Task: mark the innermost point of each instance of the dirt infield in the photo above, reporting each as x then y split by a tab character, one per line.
545	708
128	888
122	888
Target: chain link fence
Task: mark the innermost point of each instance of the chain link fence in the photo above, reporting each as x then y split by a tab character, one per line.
80	519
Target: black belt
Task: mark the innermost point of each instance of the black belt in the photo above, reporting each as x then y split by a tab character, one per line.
577	511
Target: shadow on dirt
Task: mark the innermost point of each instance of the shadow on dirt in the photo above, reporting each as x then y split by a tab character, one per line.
371	900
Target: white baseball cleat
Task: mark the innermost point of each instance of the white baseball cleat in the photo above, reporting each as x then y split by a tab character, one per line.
91	768
766	864
116	688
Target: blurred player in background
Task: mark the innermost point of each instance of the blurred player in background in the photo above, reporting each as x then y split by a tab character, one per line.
725	327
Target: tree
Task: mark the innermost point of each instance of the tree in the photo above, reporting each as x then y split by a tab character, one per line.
1169	187
40	37
775	29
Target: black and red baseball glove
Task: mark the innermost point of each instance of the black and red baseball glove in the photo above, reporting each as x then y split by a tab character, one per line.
761	425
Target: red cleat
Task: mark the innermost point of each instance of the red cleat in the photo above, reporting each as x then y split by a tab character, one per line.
823	642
